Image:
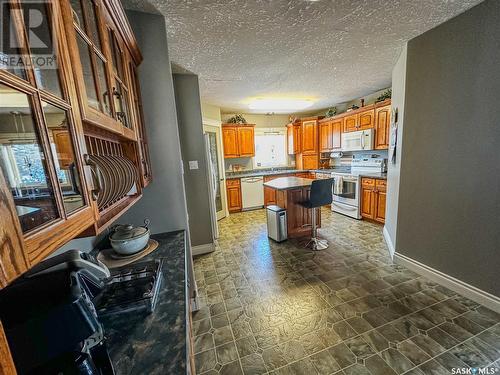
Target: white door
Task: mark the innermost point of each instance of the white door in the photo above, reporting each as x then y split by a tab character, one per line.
216	166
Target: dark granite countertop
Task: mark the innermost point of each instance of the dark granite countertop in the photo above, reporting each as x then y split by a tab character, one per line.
382	176
267	172
155	343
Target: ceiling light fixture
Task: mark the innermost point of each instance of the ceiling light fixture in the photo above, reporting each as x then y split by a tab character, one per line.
279	104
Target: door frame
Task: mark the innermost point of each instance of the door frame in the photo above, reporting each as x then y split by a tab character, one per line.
211	125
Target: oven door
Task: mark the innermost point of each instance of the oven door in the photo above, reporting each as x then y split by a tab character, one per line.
350	191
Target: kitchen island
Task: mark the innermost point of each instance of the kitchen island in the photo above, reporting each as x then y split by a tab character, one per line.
290	192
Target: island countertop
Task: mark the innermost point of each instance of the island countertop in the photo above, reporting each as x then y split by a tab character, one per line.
288	183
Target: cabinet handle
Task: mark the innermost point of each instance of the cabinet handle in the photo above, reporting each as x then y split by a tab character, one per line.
117	93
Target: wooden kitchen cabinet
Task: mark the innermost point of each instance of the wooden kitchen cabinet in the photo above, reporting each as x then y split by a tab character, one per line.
366	120
373	199
309	137
294	134
230	141
382	126
246	141
351	123
308	157
310	162
330	134
270	193
361	119
238	140
325	136
337	126
67	113
233	192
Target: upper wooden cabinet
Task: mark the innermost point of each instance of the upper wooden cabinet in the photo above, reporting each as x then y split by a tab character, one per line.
309	144
88	102
246	141
294	134
330	131
325	136
337	126
362	119
238	140
382	126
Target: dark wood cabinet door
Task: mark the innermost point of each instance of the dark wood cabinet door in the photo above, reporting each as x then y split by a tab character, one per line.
325	137
382	125
246	141
336	133
230	141
309	137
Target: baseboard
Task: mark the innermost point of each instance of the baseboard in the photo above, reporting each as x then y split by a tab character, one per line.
389	243
480	296
202	249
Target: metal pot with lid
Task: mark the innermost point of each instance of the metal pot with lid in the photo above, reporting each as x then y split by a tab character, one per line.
127	239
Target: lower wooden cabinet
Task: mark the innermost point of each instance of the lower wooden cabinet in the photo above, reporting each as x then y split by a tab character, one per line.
373	199
269	193
233	190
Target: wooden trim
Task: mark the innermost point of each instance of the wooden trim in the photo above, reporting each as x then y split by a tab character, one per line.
7	366
13	261
119	17
236	125
50	238
480	296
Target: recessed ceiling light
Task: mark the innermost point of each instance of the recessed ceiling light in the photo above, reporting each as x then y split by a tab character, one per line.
279	104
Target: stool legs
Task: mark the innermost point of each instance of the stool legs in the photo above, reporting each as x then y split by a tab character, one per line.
316	243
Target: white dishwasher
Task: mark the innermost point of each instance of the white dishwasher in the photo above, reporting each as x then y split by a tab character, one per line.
252	192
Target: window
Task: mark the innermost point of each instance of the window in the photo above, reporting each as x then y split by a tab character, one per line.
270	148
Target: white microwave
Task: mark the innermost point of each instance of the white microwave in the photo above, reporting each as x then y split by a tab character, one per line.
358	141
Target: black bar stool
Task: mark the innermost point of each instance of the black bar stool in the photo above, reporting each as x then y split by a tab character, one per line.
321	195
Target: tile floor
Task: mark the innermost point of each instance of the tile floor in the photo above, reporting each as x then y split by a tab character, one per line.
273	308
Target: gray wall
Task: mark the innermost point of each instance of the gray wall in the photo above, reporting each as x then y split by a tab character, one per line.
393	169
449	198
164	200
187	99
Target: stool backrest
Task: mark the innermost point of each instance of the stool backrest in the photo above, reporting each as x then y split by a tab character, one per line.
321	192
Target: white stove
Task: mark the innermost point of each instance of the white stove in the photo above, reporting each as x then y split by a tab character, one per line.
347	186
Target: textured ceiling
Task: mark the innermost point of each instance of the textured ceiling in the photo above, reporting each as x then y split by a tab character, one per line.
329	50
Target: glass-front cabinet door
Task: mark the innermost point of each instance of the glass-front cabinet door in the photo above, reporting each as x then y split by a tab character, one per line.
40	154
24	161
